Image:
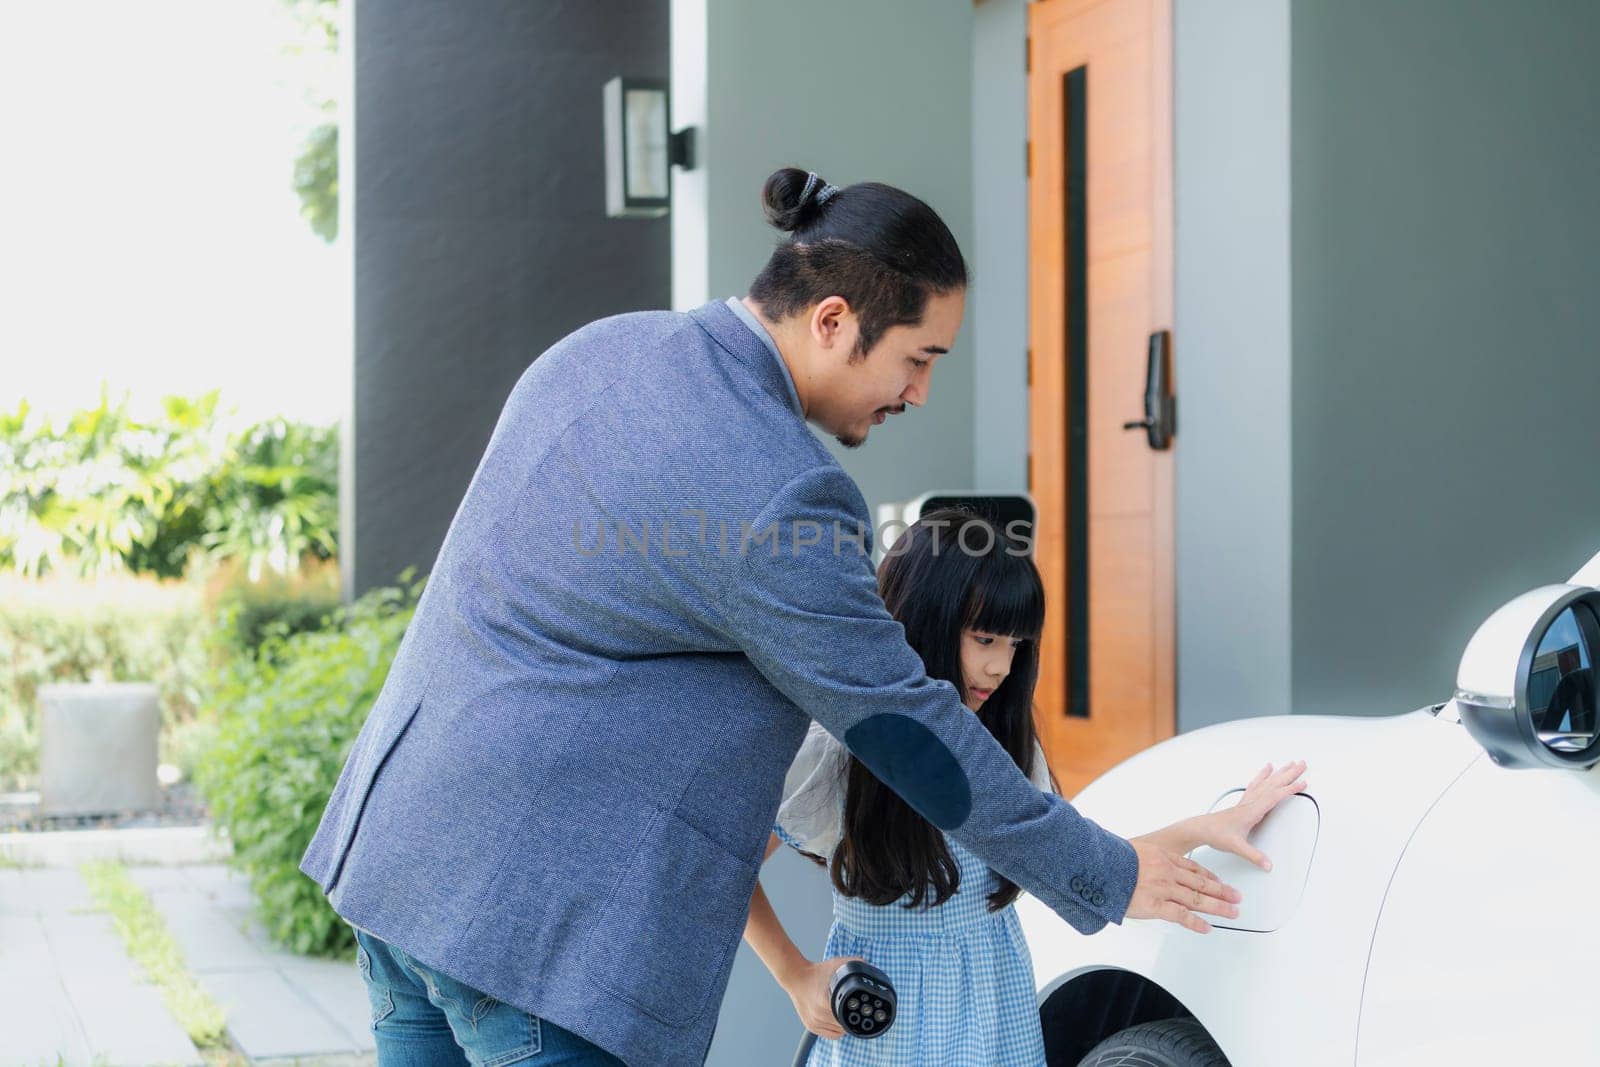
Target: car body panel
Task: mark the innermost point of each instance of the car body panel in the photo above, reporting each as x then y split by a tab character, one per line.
1488	949
1289	836
1293	995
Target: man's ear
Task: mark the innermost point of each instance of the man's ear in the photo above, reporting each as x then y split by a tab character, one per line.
832	322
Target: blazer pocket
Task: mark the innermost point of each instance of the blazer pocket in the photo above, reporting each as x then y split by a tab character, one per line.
663	937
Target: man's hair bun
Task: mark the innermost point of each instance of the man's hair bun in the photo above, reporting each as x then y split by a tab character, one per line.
793	198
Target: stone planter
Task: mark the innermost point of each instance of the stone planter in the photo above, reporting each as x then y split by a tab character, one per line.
97	748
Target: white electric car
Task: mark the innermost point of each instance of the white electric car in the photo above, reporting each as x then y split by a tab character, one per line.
1434	897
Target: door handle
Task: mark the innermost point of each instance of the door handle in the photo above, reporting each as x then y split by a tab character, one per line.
1160	421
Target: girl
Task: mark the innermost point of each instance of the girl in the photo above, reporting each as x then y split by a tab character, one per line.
907	899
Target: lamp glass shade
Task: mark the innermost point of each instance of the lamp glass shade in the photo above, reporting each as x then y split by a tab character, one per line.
638	153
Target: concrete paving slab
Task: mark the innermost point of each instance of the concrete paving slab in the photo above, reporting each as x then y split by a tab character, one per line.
24	949
208	938
68	989
161	879
38	1021
225	886
268	1018
126	1023
51	891
14	899
36	1017
86	943
336	987
121	1015
248	923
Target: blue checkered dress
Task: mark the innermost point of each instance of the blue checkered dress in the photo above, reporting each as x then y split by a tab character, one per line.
962	975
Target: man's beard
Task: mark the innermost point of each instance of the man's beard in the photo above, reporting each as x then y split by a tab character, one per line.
856	441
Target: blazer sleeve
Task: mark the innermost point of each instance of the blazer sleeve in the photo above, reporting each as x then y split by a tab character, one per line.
801	601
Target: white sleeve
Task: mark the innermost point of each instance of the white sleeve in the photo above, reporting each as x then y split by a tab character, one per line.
1041	770
811	816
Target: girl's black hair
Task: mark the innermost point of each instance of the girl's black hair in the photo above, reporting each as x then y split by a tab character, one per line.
951	571
880	248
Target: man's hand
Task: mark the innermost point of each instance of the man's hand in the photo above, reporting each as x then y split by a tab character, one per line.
1176	889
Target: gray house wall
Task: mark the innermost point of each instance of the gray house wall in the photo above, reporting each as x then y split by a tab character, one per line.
856	92
1446	387
480	238
999	251
1232	358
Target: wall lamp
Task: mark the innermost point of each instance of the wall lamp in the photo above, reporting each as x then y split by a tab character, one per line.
641	150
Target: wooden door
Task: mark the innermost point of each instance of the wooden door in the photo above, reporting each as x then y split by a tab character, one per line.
1100	222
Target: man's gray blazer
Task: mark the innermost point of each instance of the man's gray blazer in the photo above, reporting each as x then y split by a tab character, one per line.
658	576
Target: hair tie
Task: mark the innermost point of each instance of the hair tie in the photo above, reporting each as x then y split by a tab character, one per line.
826	193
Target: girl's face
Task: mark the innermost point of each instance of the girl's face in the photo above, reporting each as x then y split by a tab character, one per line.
985	662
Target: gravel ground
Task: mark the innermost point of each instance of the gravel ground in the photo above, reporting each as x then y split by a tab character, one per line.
180	806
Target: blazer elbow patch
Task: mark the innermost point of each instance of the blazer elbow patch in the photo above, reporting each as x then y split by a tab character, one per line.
907	757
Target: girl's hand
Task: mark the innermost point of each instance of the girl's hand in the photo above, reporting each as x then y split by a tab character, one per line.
808	987
1228	831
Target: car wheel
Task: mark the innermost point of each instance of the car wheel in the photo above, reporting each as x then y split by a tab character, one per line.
1163	1043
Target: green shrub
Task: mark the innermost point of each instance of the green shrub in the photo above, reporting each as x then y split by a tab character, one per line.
19	750
276	606
286	718
120	629
100	491
123	628
274	499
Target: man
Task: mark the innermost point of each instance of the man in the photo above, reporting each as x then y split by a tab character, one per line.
548	831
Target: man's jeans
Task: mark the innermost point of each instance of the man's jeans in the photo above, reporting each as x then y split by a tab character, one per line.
421	1018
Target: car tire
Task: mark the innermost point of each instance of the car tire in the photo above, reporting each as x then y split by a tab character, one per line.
1164	1043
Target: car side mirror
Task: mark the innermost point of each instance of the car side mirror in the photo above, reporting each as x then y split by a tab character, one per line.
1526	687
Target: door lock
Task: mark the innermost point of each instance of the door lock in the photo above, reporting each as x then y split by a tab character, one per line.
1160	421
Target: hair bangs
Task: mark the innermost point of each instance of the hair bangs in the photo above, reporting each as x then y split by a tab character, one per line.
1007	598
